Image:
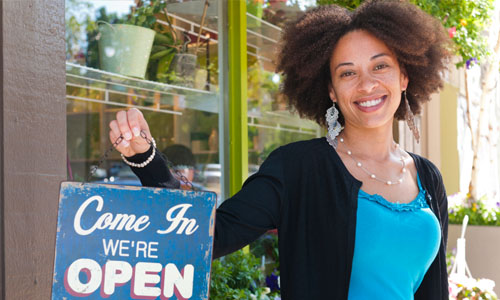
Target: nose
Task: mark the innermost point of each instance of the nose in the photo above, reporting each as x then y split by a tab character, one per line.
367	82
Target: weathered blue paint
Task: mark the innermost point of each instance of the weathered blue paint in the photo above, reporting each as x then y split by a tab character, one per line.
181	247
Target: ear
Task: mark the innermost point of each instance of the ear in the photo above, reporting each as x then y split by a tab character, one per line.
403	81
331	93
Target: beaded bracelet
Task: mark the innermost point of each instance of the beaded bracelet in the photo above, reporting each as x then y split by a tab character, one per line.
146	162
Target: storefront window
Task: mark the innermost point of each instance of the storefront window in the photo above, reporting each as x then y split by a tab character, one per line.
270	124
176	87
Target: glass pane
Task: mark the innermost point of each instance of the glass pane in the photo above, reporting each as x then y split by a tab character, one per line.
270	124
176	88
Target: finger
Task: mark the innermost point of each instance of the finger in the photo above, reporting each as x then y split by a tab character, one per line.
121	118
115	134
113	126
113	138
125	150
145	127
143	124
134	117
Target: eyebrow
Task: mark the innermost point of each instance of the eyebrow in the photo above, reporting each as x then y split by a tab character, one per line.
351	64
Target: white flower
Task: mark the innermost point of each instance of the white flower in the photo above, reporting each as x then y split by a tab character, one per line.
454	290
267	290
459	283
486	284
462	280
490	204
457	200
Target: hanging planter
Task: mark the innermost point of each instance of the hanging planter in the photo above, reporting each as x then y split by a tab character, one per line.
184	64
184	67
483	258
125	49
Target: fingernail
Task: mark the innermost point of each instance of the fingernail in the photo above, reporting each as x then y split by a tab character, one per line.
127	136
125	143
136	131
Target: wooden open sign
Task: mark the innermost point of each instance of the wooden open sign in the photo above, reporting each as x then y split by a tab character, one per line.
121	242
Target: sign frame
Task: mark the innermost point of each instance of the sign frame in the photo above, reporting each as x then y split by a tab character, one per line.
109	247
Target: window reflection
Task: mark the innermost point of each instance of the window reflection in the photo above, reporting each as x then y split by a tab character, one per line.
270	124
177	93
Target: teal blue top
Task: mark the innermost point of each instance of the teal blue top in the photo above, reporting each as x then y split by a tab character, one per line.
394	246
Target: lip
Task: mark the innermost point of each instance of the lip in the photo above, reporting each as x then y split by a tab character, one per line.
371	108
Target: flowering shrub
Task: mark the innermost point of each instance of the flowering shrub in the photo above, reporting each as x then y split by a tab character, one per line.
267	246
238	276
481	212
463	287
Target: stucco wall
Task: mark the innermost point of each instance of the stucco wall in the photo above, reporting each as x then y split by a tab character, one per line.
34	142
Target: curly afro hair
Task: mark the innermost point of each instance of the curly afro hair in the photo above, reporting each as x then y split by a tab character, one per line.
419	42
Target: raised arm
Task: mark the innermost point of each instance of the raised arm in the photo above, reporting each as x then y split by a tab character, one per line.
242	218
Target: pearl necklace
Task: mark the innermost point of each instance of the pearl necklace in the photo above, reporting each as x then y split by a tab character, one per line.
372	175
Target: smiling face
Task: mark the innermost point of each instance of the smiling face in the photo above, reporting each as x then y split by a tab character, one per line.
366	80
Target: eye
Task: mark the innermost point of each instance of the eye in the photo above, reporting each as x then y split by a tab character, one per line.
346	73
381	66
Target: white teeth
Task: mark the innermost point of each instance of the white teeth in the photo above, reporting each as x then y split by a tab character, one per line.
370	103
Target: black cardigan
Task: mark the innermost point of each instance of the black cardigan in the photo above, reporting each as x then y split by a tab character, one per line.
304	190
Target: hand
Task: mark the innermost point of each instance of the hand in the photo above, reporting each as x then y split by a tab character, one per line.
129	124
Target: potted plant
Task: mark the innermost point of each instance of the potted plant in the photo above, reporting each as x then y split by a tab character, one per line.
145	48
461	283
184	63
162	53
125	48
469	288
170	61
483	233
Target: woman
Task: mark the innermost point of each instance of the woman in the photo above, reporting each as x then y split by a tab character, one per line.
357	217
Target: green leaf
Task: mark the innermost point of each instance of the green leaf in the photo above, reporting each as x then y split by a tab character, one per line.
150	21
157	48
164	63
159	54
162	39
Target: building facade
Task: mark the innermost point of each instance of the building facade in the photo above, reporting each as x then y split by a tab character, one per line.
223	107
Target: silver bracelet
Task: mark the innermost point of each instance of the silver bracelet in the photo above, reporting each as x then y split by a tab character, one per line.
144	163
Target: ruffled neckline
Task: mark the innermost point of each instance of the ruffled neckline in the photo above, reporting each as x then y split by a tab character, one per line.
416	204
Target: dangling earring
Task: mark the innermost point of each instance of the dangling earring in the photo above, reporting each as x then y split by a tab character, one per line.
410	119
334	127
